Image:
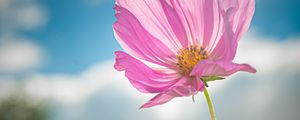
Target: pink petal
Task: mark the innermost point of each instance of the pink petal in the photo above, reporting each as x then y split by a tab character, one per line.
136	40
159	20
178	23
213	23
240	13
196	83
143	77
176	91
237	15
187	86
201	19
219	68
226	46
175	23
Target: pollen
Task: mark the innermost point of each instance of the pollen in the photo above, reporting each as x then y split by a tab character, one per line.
189	57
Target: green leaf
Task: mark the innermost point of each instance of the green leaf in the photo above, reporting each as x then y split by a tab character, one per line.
211	78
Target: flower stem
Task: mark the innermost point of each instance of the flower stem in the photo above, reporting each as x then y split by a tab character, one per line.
210	105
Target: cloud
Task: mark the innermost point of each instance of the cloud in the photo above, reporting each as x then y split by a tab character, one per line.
75	89
31	16
71	89
278	69
19	54
16	15
270	52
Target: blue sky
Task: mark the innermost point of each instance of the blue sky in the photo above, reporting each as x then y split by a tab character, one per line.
79	34
278	18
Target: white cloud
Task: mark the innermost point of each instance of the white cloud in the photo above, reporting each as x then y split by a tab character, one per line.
31	16
75	89
16	15
71	89
277	64
19	54
269	54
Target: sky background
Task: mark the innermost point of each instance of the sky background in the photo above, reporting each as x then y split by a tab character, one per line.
62	52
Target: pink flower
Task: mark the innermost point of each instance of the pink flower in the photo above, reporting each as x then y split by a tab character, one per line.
186	40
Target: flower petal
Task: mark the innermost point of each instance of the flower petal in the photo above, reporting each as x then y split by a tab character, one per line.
219	68
178	23
187	86
237	15
201	19
137	41
240	13
226	46
143	77
158	19
175	23
176	91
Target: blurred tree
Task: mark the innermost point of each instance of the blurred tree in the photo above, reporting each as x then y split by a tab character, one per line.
19	106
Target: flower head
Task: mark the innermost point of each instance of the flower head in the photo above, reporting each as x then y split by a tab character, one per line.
188	40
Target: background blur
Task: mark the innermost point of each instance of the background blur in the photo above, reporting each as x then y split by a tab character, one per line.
56	63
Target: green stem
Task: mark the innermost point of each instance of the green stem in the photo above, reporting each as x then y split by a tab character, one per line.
210	105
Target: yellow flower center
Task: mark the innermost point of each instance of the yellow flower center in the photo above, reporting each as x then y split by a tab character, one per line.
189	57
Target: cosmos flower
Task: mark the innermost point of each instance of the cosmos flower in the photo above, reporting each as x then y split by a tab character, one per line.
176	46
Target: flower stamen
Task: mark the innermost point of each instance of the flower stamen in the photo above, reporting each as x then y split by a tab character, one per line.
189	57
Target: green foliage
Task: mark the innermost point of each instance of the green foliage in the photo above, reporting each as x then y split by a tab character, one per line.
20	107
211	78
